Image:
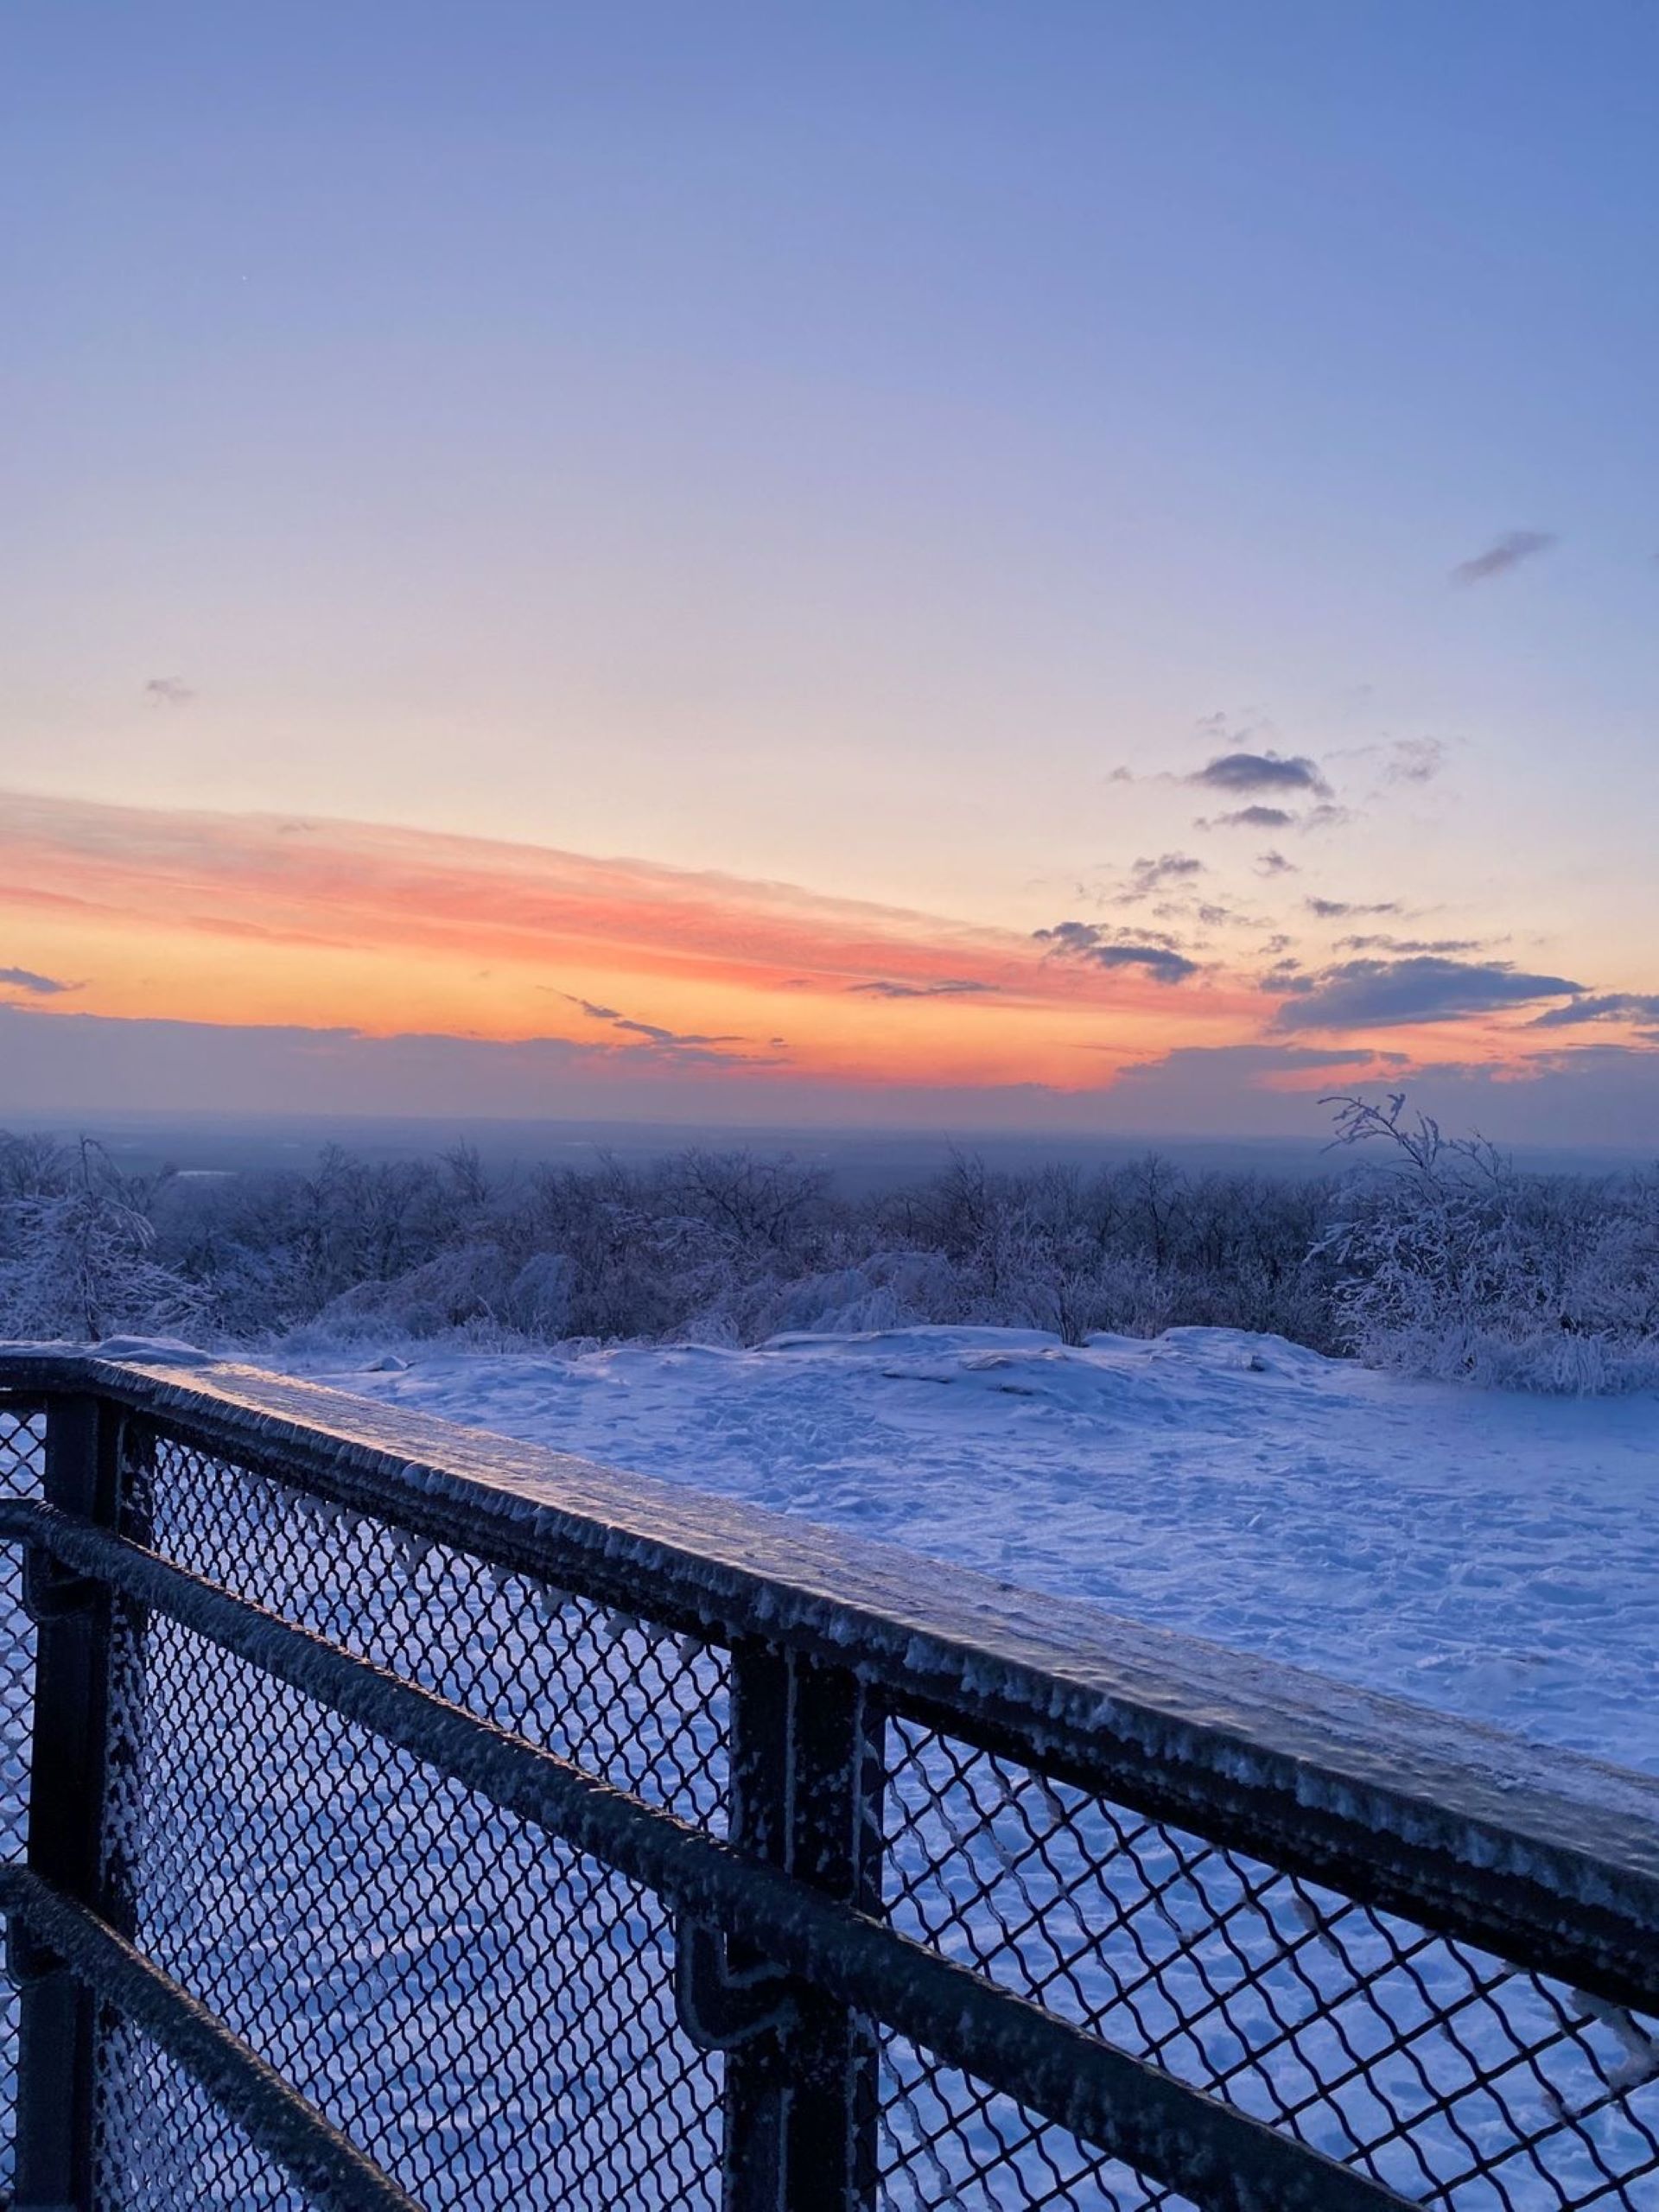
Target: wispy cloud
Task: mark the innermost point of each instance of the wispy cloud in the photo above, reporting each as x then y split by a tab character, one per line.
1509	552
682	1043
39	987
1149	875
1340	910
1274	863
1414	760
949	987
168	691
1378	943
259	933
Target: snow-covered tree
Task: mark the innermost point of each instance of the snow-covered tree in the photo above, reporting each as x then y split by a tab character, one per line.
1452	1263
78	1249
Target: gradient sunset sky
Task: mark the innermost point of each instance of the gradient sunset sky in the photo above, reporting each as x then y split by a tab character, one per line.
1074	566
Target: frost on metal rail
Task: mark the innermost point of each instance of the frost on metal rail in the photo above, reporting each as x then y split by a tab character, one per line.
397	1816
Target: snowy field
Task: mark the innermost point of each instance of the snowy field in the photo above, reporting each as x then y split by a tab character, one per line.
1490	1554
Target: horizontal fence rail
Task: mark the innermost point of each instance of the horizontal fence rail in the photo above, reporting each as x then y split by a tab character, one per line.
398	1816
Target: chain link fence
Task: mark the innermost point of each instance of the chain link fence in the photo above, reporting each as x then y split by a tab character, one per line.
821	1907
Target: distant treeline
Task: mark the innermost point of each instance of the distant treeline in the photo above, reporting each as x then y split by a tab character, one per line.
1431	1254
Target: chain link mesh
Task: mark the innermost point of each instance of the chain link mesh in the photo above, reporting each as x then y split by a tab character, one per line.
944	2138
1434	2067
488	2013
23	1451
165	2143
626	1700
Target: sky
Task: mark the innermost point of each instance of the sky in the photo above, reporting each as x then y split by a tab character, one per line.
1086	566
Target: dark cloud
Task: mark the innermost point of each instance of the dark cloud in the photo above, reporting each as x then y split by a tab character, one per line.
39	987
1424	987
1153	954
952	988
1156	960
1261	772
168	691
1070	936
1610	1006
1510	551
1274	863
1339	910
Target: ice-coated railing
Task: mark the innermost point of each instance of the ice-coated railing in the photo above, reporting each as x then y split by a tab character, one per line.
396	1815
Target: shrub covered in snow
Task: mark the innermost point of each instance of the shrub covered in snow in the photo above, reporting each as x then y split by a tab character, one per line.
78	1249
1441	1260
1453	1264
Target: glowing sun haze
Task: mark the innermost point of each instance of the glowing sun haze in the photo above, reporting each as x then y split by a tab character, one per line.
1093	569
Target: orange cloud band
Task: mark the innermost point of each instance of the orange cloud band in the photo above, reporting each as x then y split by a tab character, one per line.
251	918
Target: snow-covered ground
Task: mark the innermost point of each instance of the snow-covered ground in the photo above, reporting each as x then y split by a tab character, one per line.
1492	1555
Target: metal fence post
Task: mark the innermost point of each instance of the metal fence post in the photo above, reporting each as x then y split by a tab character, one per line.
57	2020
806	1764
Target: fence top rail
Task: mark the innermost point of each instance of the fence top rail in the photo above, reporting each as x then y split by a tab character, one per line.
1261	1754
